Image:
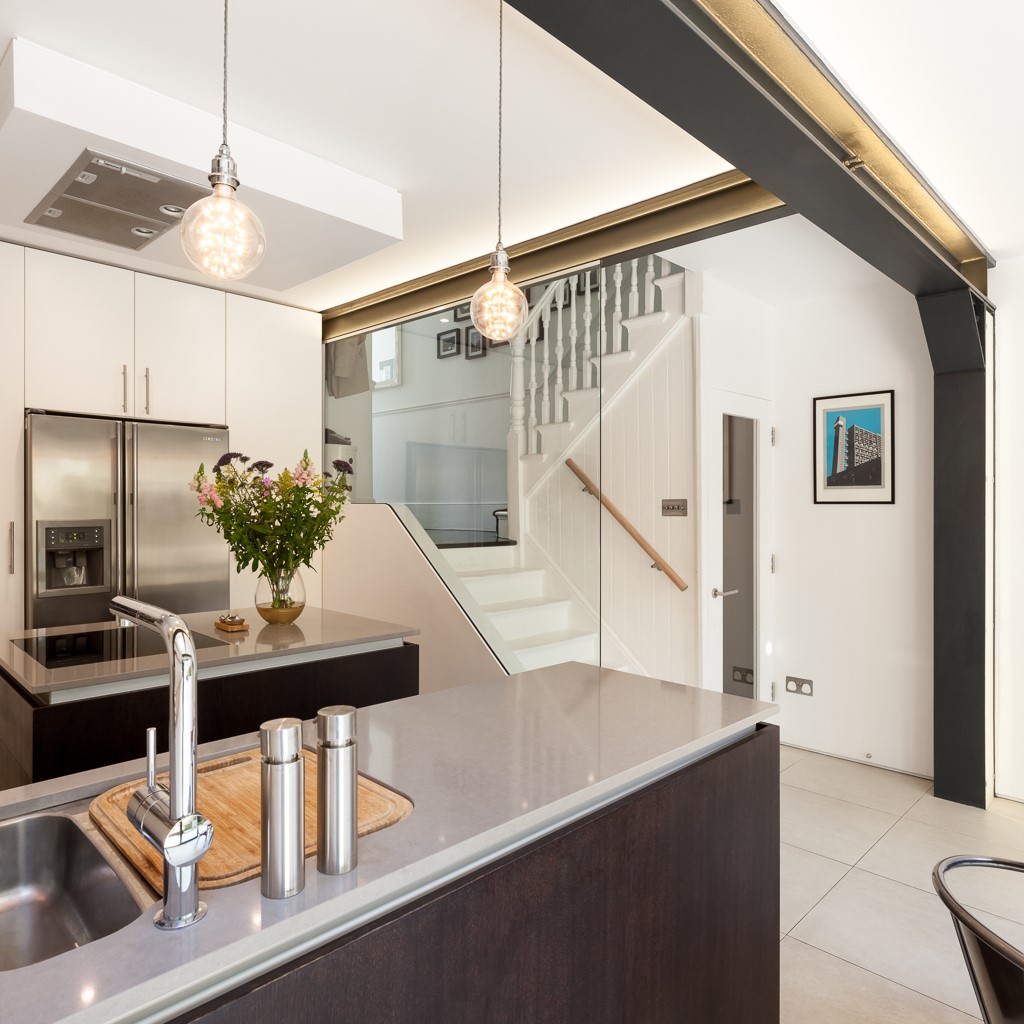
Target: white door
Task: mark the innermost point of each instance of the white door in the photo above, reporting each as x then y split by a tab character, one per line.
726	416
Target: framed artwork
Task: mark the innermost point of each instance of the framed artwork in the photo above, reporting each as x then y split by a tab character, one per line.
461	312
475	347
853	449
449	343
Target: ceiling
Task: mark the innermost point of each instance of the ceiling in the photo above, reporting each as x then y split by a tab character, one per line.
404	94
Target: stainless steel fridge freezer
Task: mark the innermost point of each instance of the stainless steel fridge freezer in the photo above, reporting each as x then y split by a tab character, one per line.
108	511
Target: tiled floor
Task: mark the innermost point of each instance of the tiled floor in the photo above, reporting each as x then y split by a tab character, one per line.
865	940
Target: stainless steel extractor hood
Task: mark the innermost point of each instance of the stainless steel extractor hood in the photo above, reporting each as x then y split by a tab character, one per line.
108	199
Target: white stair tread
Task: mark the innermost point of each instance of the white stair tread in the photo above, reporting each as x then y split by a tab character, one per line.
497	574
527	603
559	636
613	358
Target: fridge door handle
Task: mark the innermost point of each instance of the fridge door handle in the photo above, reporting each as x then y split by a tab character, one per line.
133	511
117	583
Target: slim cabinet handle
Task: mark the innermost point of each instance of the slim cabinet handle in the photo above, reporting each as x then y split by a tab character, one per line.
147	390
10	548
124	387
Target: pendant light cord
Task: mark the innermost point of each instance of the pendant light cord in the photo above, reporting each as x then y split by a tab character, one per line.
224	108
501	75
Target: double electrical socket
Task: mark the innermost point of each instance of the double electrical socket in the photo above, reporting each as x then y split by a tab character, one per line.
805	687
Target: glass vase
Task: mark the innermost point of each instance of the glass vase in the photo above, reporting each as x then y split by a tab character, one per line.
280	596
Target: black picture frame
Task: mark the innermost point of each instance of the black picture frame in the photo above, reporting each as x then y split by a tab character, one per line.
476	347
854	444
461	312
449	343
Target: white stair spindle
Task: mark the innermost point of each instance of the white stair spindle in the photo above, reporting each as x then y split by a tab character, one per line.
559	352
518	389
634	294
617	314
545	369
649	286
588	317
532	439
602	326
573	332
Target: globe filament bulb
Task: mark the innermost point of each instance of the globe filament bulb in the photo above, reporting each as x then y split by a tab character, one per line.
221	236
498	308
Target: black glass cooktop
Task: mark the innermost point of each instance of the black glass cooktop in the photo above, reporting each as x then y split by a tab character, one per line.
59	650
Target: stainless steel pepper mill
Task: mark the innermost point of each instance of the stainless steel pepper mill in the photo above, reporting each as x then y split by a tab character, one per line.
282	805
337	817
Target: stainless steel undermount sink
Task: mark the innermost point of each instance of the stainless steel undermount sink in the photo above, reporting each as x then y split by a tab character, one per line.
56	891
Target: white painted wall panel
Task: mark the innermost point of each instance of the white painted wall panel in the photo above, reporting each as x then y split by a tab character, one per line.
854	582
1006	283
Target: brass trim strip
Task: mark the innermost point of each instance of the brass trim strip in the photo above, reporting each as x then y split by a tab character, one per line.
763	34
715	201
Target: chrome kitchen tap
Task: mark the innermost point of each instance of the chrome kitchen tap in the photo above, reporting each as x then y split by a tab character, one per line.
166	816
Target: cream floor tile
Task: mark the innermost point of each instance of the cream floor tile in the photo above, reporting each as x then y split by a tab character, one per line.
831	828
910	849
818	987
805	878
1008	808
895	931
858	783
1000	828
789	756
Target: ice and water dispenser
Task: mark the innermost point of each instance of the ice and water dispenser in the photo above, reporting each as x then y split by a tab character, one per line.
73	564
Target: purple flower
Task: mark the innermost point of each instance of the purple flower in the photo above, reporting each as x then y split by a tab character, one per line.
226	458
261	467
343	467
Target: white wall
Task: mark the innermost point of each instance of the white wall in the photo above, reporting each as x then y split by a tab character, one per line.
854	582
1006	289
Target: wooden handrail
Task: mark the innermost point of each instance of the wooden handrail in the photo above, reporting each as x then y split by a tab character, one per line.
659	562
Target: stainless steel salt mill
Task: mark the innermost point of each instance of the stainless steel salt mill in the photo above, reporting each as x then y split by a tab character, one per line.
282	804
337	812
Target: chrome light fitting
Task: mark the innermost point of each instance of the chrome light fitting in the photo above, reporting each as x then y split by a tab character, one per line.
499	309
220	235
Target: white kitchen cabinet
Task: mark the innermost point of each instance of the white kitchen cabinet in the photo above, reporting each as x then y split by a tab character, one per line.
179	351
274	399
12	439
79	335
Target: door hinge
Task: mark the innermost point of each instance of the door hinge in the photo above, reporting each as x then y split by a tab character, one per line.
773	564
773	437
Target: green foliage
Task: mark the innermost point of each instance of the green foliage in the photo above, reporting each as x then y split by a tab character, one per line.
273	525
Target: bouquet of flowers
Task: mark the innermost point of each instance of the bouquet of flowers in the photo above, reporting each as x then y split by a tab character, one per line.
272	524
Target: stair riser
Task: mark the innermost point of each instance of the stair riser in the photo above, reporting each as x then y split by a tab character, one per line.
514	624
473	559
512	587
582	649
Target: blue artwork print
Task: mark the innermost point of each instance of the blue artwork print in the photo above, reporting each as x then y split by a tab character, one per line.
853	446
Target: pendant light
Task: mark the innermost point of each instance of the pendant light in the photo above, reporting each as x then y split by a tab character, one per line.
498	308
220	235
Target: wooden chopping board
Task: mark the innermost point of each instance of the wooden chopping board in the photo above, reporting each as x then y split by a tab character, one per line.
228	793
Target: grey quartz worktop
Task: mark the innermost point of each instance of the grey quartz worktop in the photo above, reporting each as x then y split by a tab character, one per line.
318	632
489	767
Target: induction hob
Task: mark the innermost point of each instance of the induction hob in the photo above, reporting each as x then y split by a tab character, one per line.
61	650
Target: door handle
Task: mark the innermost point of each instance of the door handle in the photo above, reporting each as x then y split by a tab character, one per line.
147	390
124	387
723	593
10	548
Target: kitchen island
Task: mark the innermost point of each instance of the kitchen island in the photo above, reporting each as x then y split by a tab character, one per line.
585	845
78	697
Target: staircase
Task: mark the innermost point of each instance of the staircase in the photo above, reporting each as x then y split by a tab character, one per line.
564	368
525	606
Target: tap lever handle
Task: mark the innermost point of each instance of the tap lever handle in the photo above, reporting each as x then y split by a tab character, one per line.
151	756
